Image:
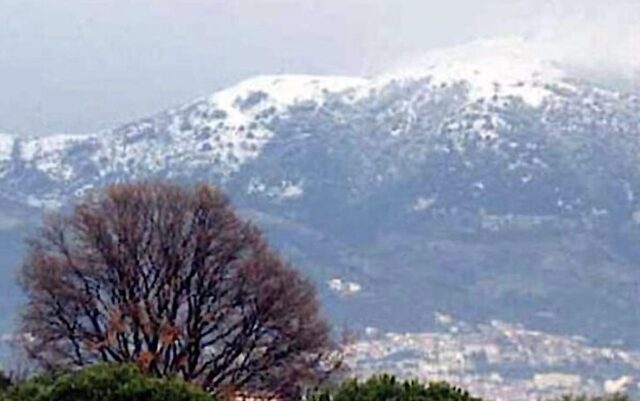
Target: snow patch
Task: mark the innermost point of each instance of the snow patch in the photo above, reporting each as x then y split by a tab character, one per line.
45	153
285	90
343	287
290	190
502	67
6	147
285	190
43	203
423	203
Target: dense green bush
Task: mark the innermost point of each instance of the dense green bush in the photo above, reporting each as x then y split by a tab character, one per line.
127	383
104	383
388	388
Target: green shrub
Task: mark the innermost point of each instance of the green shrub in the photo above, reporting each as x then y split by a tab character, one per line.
105	383
388	388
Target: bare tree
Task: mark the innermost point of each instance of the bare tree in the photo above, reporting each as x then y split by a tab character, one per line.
170	278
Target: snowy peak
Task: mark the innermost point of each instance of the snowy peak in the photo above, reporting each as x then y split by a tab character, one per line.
231	126
509	58
501	67
284	90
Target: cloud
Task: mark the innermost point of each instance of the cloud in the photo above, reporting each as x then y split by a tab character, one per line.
599	42
604	40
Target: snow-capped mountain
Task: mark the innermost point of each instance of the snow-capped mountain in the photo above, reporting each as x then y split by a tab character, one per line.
487	182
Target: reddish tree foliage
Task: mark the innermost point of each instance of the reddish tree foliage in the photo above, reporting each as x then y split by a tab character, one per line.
170	278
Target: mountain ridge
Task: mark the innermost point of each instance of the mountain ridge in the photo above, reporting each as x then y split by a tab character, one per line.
237	117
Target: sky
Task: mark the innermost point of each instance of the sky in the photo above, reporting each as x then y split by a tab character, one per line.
84	65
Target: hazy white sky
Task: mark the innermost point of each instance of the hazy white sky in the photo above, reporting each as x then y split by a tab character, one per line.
83	65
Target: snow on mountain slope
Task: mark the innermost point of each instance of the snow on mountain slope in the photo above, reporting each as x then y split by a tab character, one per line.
499	67
282	91
6	147
246	108
219	134
45	153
